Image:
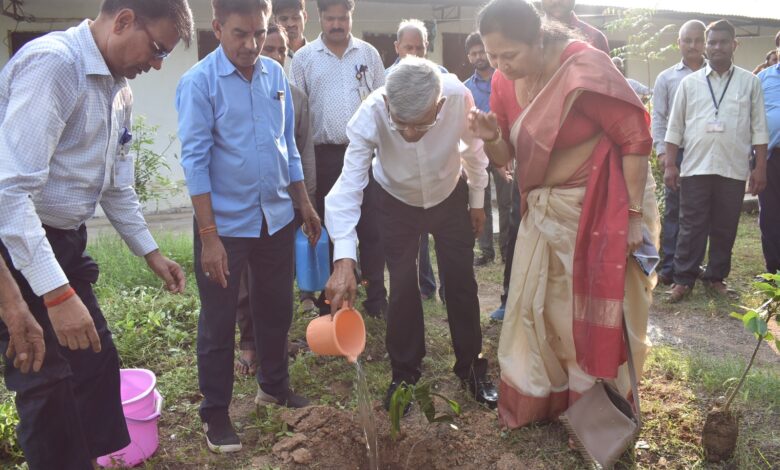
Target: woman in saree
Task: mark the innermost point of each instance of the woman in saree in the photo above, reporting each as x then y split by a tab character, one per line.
580	138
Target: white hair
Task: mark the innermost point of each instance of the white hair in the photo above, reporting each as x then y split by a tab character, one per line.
412	24
413	87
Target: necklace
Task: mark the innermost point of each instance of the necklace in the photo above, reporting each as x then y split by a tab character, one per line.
531	92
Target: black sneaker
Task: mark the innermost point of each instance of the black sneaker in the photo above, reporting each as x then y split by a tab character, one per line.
220	436
482	390
389	396
287	399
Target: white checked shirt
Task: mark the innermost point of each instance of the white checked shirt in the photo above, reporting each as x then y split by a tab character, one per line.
420	174
332	86
741	112
61	118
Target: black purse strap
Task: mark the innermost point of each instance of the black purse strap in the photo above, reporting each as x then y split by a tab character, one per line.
632	373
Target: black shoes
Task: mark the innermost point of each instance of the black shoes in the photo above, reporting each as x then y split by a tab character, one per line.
483	390
389	396
220	436
483	260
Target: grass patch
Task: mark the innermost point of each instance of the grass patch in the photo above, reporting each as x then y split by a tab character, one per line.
157	330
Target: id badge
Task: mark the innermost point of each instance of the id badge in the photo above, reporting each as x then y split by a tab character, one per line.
124	171
364	92
715	127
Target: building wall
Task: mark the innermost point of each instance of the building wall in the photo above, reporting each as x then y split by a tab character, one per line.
155	92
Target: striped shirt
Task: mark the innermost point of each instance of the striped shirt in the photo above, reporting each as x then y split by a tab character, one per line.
62	115
332	85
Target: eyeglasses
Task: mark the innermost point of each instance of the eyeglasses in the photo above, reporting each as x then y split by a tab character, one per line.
157	51
402	128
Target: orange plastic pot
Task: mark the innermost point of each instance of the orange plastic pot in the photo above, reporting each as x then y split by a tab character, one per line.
342	334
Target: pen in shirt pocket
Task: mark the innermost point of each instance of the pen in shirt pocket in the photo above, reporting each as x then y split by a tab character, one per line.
279	95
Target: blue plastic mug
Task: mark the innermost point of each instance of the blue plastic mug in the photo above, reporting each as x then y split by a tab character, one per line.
312	263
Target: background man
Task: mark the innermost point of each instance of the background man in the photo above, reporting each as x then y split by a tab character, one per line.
412	40
65	115
691	43
479	85
769	199
338	71
719	114
563	11
291	15
418	128
243	173
275	47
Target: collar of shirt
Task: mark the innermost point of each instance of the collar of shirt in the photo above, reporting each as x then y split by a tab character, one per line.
225	67
708	70
322	47
477	78
94	63
681	65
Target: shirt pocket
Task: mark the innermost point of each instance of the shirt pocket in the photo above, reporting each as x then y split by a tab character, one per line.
275	112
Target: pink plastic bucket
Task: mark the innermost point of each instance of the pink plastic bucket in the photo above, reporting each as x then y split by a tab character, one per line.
137	386
144	439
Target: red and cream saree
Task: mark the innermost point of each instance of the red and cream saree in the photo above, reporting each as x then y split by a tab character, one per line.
571	280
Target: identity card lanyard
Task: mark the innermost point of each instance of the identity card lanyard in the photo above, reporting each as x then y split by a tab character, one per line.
717	126
360	74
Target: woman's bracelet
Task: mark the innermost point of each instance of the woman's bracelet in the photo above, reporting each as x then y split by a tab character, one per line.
635	210
60	298
495	139
209	229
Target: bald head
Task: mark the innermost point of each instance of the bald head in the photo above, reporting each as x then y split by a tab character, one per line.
691	43
692	27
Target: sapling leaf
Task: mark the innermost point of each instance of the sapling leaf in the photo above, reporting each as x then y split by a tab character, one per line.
761	327
736	315
454	406
752	324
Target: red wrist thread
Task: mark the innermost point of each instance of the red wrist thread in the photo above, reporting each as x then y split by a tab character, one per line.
60	298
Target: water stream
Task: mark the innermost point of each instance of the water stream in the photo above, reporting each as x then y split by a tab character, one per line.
367	418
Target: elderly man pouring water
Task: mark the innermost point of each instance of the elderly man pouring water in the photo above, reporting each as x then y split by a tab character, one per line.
418	127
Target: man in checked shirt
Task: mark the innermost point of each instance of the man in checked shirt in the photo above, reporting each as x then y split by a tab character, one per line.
65	107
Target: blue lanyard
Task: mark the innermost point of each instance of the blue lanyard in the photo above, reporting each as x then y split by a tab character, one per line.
712	92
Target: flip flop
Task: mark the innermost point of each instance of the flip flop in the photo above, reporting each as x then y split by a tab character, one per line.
245	367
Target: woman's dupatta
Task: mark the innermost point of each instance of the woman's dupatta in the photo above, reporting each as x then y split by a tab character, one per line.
600	252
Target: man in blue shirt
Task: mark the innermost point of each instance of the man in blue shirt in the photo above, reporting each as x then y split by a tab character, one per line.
479	84
769	199
243	171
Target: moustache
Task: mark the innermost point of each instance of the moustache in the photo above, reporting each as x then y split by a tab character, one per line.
339	30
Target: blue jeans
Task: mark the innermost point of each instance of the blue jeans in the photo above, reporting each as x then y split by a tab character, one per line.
671	226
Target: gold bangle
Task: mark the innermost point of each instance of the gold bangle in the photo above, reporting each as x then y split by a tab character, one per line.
635	210
495	139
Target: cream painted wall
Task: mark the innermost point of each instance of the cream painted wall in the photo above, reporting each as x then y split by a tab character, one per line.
155	92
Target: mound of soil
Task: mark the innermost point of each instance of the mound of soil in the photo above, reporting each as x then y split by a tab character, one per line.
334	438
719	437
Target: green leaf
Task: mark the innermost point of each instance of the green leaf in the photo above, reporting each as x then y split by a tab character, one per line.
761	327
736	315
454	406
750	315
777	344
752	325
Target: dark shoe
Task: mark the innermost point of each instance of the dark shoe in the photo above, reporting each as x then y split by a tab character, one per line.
718	287
483	390
678	293
380	312
665	280
220	436
287	399
389	396
483	260
296	347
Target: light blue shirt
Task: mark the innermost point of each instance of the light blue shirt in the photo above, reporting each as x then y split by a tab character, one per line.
480	90
770	82
238	143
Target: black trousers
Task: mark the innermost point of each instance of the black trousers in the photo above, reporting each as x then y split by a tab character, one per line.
671	225
70	412
270	263
514	227
769	218
450	225
330	161
710	206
